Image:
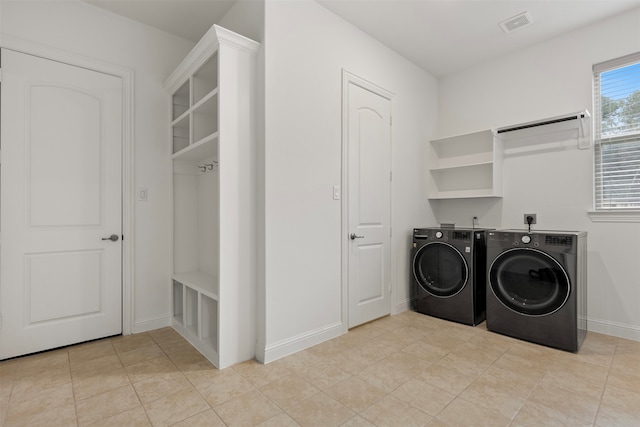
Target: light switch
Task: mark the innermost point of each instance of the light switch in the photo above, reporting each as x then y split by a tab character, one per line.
336	192
142	194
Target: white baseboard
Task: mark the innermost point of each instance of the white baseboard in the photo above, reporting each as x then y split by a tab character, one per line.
403	306
269	353
151	324
615	329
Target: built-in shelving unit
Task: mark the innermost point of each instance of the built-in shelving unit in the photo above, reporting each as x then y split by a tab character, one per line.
470	165
465	166
212	140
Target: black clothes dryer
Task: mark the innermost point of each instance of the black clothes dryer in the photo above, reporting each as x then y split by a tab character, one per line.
449	273
536	286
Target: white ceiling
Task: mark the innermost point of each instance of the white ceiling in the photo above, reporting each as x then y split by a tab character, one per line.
188	19
440	36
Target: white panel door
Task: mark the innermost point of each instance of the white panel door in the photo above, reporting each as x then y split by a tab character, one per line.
60	280
369	204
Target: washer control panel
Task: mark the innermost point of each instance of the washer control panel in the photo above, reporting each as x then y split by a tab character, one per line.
514	238
553	241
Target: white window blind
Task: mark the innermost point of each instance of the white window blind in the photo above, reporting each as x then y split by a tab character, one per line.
617	133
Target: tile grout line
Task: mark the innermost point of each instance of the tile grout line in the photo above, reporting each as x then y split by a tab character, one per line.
606	381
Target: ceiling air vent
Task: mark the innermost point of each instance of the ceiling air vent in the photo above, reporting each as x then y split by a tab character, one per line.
516	22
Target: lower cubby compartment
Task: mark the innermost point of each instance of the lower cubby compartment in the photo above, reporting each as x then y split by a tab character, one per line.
191	310
209	324
178	291
201	345
195	317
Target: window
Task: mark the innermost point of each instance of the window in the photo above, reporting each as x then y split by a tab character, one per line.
617	133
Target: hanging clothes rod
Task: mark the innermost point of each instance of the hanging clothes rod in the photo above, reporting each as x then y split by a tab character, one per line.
543	123
583	126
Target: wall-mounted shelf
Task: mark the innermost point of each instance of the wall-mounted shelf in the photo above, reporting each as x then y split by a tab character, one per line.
465	166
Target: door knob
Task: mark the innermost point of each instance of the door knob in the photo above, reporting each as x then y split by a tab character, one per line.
113	238
353	236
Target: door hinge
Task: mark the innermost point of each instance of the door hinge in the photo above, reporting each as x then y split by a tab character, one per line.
390	287
391	120
390	176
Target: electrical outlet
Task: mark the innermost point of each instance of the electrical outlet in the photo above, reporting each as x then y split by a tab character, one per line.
526	217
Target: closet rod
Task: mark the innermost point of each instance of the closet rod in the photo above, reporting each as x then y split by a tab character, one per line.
543	123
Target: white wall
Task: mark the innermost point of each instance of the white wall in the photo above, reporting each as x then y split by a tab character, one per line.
306	49
546	80
246	17
84	30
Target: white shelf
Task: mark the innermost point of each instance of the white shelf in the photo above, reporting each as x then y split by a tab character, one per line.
463	162
203	149
180	118
204	101
463	194
465	166
198	281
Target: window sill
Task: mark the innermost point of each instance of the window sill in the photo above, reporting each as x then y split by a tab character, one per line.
615	216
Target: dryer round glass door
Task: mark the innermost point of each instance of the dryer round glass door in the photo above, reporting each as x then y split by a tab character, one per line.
440	269
529	281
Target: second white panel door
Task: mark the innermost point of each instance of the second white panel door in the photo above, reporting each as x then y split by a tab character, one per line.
369	203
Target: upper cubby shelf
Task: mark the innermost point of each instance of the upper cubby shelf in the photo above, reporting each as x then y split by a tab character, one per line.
195	95
205	80
195	113
181	101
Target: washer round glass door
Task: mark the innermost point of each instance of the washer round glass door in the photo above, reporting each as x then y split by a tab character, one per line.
440	269
529	281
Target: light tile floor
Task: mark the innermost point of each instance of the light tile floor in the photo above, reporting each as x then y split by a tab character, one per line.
404	370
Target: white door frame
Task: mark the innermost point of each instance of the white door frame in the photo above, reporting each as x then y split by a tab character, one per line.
128	192
350	78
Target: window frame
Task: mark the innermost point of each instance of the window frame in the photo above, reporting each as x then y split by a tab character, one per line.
602	214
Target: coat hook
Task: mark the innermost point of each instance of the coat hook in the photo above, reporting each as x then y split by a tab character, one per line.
209	166
203	168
